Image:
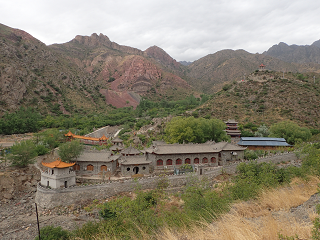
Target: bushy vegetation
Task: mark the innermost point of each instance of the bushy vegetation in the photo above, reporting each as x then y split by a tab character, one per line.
30	120
70	151
23	153
53	233
290	131
198	130
22	121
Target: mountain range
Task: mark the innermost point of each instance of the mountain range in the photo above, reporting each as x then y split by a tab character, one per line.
92	73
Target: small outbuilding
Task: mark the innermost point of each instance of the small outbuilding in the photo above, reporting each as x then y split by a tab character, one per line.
58	175
137	164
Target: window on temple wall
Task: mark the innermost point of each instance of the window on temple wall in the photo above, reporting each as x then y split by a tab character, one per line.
196	161
169	162
76	167
103	168
90	167
213	159
159	162
178	161
187	161
204	160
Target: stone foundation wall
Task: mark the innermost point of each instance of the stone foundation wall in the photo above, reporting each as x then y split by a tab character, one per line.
49	198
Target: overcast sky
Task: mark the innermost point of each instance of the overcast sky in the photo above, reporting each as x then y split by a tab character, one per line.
185	29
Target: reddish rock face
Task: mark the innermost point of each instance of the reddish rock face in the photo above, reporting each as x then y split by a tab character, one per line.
163	57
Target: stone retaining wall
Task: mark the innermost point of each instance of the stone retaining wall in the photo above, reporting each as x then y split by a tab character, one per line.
49	198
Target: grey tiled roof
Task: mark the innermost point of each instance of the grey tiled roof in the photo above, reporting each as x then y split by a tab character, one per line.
263	141
115	148
131	160
130	150
97	156
209	147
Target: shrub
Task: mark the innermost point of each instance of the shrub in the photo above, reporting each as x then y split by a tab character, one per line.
53	233
23	153
41	150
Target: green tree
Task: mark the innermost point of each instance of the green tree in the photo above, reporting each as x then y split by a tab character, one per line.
290	131
23	153
198	130
70	151
263	131
50	138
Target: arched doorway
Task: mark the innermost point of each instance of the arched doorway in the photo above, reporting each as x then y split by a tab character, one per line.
196	161
136	170
187	161
169	162
76	167
103	168
178	161
213	159
90	167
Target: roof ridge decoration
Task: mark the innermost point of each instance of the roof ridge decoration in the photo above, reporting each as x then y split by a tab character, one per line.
58	164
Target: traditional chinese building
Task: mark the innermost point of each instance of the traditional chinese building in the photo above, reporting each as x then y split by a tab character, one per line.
262	67
169	156
58	175
87	140
232	129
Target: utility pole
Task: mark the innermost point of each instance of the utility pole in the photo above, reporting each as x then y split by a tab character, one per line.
38	221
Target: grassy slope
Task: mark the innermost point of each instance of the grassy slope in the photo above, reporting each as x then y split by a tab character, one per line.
263	218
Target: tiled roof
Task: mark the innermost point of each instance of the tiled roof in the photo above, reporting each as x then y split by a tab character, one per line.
231	121
263	141
116	140
97	156
57	164
131	160
131	151
209	147
115	148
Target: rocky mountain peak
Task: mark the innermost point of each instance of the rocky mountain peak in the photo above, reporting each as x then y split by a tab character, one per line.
92	41
162	57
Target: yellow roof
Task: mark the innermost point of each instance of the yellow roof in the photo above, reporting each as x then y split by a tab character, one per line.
70	134
57	164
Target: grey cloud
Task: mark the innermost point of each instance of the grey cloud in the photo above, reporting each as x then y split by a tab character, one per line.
187	30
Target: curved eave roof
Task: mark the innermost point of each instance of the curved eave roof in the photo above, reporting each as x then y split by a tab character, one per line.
57	164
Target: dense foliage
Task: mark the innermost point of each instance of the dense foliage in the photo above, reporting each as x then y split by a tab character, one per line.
22	121
290	131
29	120
22	153
198	130
70	151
